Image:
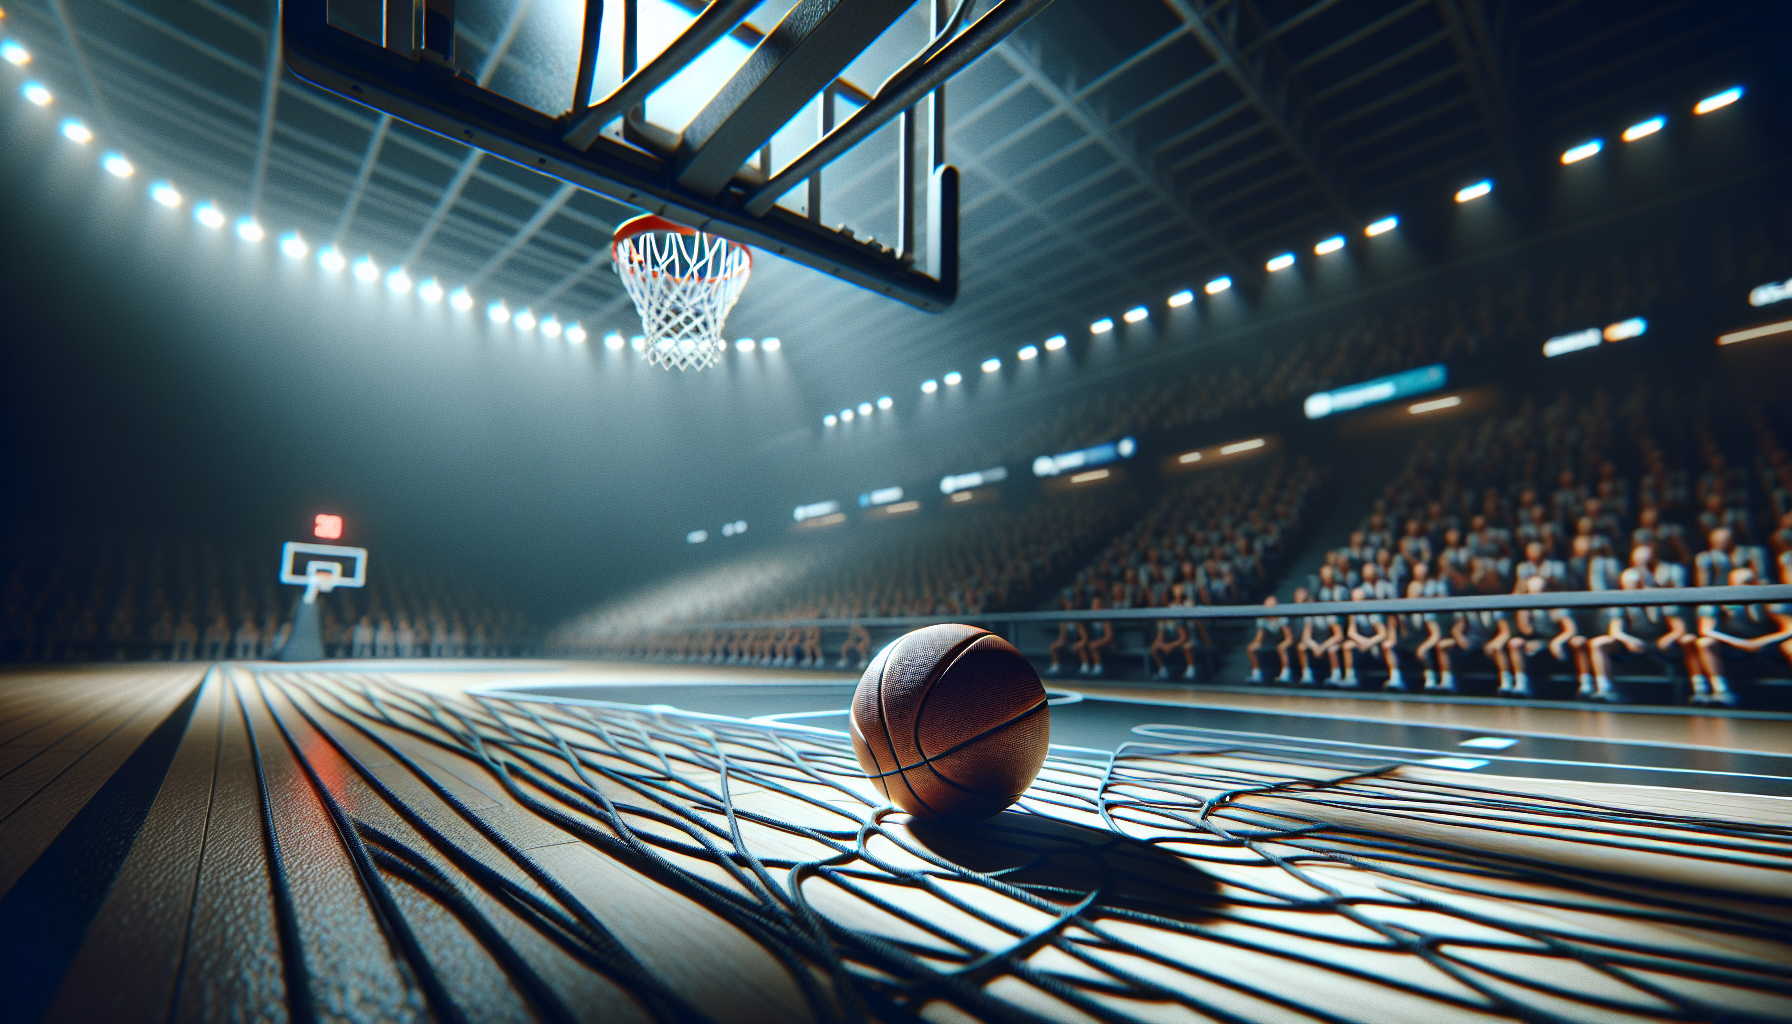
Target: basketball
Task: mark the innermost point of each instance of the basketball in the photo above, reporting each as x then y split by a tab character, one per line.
951	723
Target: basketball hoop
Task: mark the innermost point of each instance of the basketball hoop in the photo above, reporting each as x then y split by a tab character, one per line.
683	282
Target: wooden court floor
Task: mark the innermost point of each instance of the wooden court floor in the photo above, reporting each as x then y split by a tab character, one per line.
250	842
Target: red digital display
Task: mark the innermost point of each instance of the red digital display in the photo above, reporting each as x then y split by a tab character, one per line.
327	526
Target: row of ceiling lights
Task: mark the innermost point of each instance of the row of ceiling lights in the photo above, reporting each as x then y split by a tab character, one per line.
1283	261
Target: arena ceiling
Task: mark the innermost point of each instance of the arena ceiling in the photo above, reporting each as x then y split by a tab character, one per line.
1111	152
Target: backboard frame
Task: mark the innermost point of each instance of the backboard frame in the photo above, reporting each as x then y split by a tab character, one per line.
328	552
416	87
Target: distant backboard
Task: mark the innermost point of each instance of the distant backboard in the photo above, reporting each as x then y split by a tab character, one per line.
809	128
300	561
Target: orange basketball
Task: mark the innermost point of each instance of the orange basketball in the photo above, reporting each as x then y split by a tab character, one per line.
951	723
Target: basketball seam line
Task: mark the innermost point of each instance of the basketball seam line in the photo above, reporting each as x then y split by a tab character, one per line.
932	678
928	759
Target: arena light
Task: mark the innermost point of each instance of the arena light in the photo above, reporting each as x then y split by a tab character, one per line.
525	321
1770	293
1374	392
864	408
331	259
1135	314
164	193
953	379
460	299
1642	129
696	536
36	94
1718	101
965	481
734	529
1090	477
1332	244
75	131
399	281
771	344
1181	298
207	214
961	496
14	54
1102	326
1583	151
1434	405
498	312
248	230
991	365
1763	331
745	345
901	507
117	166
1562	344
1243	446
576	333
429	290
1028	352
1282	262
614	341
1625	329
1382	226
886	403
1217	285
816	511
1101	454
1188	458
294	246
928	387
1470	193
830	420
552	326
367	270
1055	342
638	343
881	496
847	415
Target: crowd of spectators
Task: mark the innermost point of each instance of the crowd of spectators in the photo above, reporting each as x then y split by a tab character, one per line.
1575	495
109	596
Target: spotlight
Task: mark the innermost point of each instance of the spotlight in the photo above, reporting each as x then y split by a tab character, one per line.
1054	343
1582	151
1135	314
1217	285
885	403
525	320
429	290
366	269
1028	352
1282	262
460	299
399	281
248	230
1382	226
1420	408
1710	103
864	408
576	334
75	131
13	53
991	365
164	193
1181	298
36	94
1332	244
551	326
830	420
928	387
745	345
331	259
953	378
638	343
771	344
1644	128
292	245
1102	326
207	214
117	166
1475	191
498	312
614	341
846	415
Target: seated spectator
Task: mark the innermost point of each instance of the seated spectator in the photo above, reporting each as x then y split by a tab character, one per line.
1070	634
1272	631
1368	633
1098	638
1740	632
1657	631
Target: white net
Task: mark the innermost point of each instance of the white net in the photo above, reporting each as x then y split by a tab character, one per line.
684	285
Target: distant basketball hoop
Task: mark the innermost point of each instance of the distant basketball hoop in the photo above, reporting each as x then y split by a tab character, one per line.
683	282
